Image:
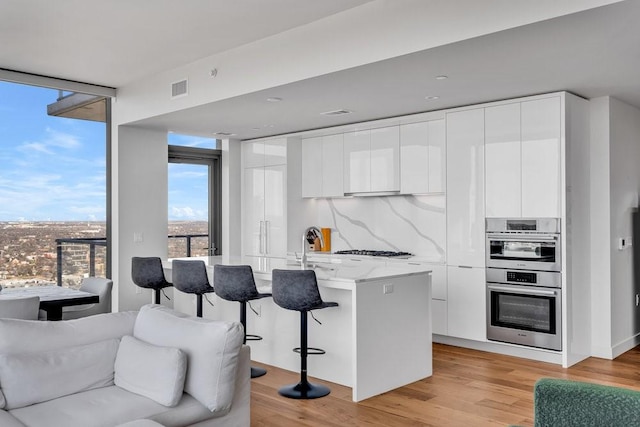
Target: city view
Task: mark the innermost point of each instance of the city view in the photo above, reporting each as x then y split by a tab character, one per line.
28	252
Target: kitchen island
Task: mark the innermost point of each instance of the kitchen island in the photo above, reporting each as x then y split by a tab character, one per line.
376	340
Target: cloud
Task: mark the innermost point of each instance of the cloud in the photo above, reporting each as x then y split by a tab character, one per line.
192	141
186	212
35	146
53	139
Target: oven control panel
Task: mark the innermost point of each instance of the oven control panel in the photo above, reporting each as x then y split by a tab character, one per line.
548	279
522	277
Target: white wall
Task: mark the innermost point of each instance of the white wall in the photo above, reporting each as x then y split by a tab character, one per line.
140	206
615	185
625	187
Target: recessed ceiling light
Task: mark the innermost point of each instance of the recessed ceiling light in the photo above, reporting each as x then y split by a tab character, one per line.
256	128
442	77
274	99
336	112
269	126
431	98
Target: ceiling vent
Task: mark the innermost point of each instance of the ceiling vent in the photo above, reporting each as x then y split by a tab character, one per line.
336	112
179	89
224	134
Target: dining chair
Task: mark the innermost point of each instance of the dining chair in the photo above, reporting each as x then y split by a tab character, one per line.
20	308
95	285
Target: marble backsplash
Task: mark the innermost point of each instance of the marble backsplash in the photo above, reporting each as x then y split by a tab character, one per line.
415	224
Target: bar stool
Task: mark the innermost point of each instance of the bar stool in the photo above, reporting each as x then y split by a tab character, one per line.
298	290
236	283
147	272
190	276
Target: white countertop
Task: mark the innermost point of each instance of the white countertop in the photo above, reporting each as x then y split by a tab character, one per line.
331	269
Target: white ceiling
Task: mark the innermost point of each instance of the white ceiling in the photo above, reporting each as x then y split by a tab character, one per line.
114	42
591	53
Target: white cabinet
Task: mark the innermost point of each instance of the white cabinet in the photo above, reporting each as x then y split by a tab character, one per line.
264	198
465	188
263	207
322	163
522	152
372	160
264	153
502	161
312	167
385	159
422	157
541	133
466	303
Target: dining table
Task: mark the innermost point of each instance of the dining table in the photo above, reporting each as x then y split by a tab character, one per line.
52	298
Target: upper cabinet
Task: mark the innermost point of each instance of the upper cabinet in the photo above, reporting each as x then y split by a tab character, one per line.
523	159
465	188
372	160
503	156
541	133
322	162
422	157
264	153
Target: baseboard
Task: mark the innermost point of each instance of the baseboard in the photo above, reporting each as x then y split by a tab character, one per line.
626	345
503	348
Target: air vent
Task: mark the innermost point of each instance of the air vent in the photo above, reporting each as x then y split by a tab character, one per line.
179	89
224	134
336	112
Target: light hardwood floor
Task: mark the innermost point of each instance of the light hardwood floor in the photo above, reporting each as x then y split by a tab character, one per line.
468	388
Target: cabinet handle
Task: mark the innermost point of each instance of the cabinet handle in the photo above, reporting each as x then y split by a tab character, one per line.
261	239
465	266
413	263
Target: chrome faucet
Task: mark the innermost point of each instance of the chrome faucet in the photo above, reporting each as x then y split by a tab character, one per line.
314	232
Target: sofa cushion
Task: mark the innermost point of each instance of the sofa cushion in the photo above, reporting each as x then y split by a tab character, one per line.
107	407
151	371
29	378
25	337
212	349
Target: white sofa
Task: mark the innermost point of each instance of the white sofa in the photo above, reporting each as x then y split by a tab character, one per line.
111	369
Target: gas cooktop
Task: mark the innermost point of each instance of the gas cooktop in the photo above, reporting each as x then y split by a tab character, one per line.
366	252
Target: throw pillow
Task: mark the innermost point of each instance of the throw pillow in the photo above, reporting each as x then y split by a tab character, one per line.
29	378
212	349
154	372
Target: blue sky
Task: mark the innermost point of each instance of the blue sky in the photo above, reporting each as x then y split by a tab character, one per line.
54	168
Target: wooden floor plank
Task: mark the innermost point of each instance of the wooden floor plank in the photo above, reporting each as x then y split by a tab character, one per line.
468	387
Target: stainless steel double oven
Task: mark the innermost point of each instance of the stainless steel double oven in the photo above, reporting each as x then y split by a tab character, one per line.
524	286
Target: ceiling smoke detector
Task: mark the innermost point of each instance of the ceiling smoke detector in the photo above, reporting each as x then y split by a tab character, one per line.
336	112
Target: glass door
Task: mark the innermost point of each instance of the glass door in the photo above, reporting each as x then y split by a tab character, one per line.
193	202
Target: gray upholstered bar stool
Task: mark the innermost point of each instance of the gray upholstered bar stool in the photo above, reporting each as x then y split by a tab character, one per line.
298	290
147	272
236	283
190	276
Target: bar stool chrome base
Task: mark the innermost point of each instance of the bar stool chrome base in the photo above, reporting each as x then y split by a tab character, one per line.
257	372
304	390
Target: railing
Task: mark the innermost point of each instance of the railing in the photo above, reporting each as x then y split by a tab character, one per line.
188	237
102	241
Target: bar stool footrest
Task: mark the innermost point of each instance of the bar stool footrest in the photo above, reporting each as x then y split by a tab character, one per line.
253	337
310	350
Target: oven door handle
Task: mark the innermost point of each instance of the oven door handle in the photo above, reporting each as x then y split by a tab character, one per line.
523	237
540	292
